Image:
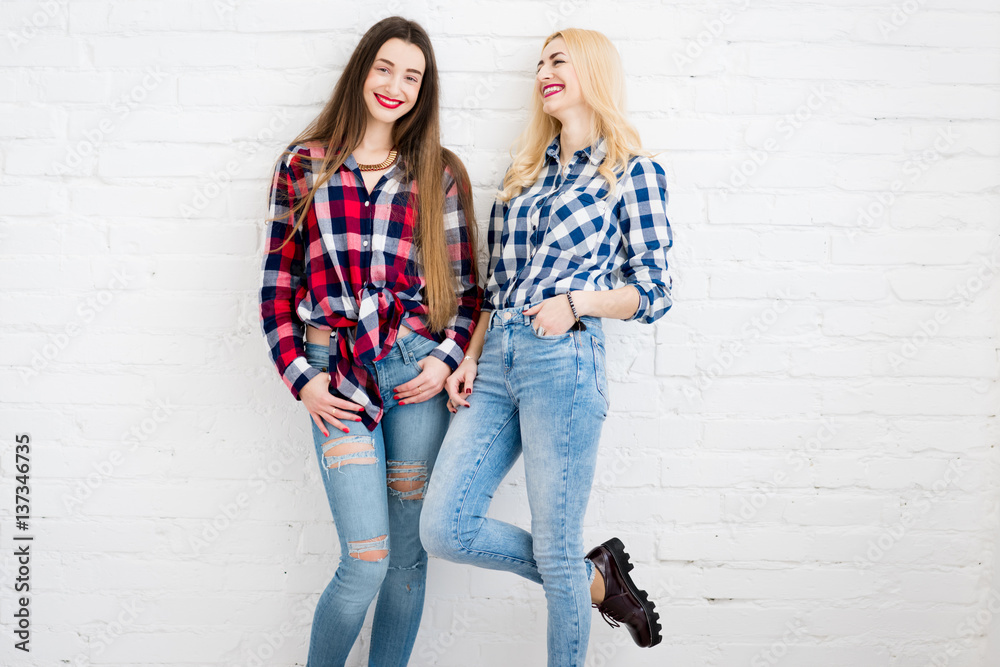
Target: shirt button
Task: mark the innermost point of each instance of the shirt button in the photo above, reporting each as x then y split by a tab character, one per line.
366	203
364	243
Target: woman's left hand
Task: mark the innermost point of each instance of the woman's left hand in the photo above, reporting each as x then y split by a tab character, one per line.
430	382
553	316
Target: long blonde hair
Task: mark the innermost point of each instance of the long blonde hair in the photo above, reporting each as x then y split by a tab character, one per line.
340	127
602	82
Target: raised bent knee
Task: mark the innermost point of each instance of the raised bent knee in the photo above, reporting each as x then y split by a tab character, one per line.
434	535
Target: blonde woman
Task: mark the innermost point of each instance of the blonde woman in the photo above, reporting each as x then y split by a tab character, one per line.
581	211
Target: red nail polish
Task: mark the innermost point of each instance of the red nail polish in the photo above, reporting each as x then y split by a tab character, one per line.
347	430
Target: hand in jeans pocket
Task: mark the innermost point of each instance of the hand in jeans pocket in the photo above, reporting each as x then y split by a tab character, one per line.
428	383
459	384
322	405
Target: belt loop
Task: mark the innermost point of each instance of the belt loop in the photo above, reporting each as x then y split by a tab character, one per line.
404	351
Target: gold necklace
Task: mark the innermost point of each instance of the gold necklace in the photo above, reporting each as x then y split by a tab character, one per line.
381	165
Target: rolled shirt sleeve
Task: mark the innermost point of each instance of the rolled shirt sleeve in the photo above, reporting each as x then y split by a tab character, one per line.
646	238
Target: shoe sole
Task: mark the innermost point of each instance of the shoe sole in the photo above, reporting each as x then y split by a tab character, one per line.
617	549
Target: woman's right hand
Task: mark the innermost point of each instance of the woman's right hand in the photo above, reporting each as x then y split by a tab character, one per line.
321	404
459	384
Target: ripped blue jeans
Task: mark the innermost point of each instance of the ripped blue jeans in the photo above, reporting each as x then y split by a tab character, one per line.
374	483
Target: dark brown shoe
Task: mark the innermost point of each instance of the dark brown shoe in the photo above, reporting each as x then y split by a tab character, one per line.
623	601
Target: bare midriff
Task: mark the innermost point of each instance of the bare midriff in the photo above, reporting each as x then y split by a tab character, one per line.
322	336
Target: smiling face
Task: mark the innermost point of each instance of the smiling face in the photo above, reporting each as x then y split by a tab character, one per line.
557	81
393	83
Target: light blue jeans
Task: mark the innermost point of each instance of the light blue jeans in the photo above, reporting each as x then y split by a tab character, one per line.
545	398
371	516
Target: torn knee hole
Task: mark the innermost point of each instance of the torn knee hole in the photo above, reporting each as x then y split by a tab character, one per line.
406	479
349	449
369	550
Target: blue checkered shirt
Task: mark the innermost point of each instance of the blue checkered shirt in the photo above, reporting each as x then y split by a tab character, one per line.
560	234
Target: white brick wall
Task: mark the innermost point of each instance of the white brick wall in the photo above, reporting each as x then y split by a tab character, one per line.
801	455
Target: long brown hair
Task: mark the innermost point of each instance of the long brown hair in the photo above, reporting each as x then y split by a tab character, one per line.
341	125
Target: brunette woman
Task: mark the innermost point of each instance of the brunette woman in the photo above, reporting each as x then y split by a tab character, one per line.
580	212
384	284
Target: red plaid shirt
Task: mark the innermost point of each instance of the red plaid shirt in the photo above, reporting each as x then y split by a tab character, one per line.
353	266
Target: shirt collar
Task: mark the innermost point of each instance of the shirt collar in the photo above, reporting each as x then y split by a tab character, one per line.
553	150
600	149
594	153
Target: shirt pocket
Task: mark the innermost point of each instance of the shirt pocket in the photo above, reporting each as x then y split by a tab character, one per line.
577	220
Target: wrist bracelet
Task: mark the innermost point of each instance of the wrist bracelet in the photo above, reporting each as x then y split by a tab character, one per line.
578	325
572	306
